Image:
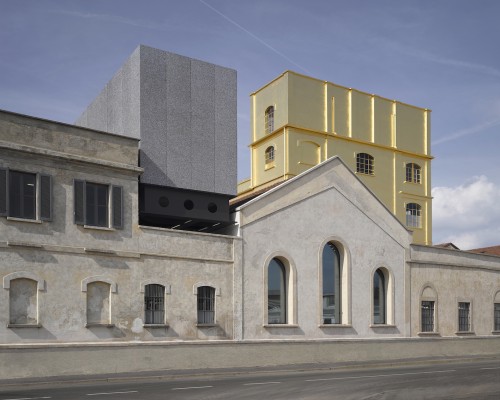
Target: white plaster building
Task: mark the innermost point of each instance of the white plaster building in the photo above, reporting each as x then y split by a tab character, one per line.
317	262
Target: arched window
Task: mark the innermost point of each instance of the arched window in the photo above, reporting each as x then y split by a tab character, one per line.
154	304
269	119
269	155
364	163
332	292
379	297
428	307
206	305
276	293
413	173
413	215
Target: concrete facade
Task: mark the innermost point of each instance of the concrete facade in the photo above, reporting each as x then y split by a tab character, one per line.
184	112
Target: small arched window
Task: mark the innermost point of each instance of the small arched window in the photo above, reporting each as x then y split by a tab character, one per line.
206	305
428	302
413	215
413	173
364	163
154	304
332	285
269	155
269	119
379	297
276	293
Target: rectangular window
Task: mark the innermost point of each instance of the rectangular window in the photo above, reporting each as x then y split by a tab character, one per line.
497	316
464	317
154	304
427	316
94	207
206	305
25	195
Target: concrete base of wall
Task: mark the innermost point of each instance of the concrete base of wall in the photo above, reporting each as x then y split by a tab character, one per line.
44	360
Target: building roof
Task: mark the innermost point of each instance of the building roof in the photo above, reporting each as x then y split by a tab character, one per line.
448	245
493	250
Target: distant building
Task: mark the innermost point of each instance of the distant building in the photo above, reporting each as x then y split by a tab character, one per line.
297	122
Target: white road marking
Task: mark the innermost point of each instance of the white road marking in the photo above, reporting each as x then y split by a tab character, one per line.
29	398
192	387
101	394
261	383
491	368
380	376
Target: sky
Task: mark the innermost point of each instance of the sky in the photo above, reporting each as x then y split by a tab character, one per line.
56	56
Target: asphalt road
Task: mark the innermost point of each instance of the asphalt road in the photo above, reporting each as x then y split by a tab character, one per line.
476	380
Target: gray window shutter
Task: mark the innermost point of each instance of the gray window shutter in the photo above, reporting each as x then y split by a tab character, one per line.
45	197
4	191
79	202
117	204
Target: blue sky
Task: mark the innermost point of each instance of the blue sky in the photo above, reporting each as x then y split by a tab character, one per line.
55	57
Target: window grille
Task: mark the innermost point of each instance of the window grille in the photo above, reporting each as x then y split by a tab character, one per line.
413	173
413	215
206	305
427	316
364	163
269	119
269	155
497	316
154	304
463	317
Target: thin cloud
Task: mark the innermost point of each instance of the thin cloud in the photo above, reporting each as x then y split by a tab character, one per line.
469	131
255	37
113	18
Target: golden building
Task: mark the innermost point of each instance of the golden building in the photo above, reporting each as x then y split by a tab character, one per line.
298	121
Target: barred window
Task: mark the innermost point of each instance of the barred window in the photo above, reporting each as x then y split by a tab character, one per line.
413	173
154	304
269	155
464	317
413	215
497	317
206	305
364	163
427	308
269	119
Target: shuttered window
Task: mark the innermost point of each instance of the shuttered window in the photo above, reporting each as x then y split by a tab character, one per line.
94	207
25	195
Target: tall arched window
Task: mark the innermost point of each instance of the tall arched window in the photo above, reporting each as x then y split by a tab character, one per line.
379	297
269	119
276	293
413	215
269	155
364	163
412	173
332	295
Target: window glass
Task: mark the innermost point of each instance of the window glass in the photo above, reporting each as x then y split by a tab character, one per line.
206	305
497	317
154	304
331	285
276	293
413	215
364	163
96	204
22	195
427	316
463	317
379	298
269	119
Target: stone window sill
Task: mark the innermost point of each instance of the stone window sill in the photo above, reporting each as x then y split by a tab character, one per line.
98	325
16	326
31	221
382	326
495	332
465	333
423	334
99	228
335	326
281	326
206	325
155	325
